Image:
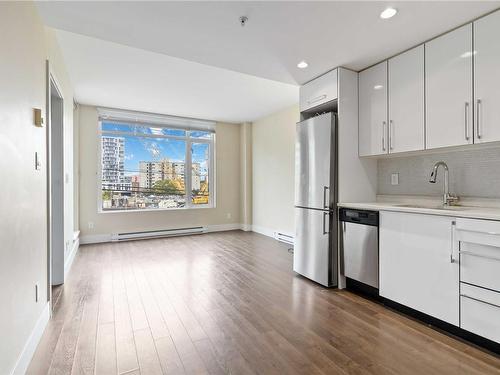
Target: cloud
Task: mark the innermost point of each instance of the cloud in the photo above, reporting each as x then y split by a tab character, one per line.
129	157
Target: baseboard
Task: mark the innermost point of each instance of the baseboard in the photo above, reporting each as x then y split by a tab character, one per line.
223	227
69	262
95	238
263	230
32	342
246	227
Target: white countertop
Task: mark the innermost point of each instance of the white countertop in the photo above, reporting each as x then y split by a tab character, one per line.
429	206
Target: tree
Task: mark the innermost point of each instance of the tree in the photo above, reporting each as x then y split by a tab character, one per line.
106	195
169	187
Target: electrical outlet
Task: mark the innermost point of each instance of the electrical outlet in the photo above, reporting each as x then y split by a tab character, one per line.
395	179
91	225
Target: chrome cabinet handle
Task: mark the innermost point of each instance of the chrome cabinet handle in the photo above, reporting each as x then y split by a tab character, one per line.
324	226
383	135
479	231
325	203
470	253
452	252
478	119
391	129
478	300
317	99
466	122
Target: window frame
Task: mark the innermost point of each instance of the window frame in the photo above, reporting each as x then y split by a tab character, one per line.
187	167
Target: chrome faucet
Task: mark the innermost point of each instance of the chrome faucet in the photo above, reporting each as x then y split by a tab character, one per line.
448	198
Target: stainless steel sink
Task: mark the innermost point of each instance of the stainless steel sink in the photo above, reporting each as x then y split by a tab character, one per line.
434	207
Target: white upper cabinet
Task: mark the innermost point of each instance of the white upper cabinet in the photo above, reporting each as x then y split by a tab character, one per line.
487	78
319	91
373	127
448	77
406	101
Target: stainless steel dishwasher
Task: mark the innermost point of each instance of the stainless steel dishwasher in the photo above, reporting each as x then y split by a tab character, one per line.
359	246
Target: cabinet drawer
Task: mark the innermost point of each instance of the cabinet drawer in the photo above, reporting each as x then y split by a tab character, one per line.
321	90
480	311
480	265
484	232
479	252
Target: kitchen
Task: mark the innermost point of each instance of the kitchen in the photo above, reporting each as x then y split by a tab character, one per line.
210	187
436	258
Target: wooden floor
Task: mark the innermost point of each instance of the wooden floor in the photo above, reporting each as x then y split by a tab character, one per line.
228	303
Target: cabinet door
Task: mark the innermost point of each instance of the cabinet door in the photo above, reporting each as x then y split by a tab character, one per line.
406	101
415	264
373	111
448	77
487	78
320	90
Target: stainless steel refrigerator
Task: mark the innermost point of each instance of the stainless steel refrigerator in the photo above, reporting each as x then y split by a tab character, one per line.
315	249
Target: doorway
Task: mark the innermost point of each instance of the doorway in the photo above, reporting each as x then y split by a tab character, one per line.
55	188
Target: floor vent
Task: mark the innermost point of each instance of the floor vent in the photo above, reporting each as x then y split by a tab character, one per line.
158	233
283	237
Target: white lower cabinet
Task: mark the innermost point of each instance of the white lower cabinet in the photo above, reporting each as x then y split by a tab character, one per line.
480	311
418	263
479	249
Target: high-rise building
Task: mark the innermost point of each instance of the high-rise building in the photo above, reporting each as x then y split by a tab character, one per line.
154	171
113	163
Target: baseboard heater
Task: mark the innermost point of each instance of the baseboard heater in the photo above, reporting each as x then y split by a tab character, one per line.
157	233
283	237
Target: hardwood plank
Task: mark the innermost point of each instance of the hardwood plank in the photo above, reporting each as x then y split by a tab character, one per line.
126	356
229	303
106	349
149	362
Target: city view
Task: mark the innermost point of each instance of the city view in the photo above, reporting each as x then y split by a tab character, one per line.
147	170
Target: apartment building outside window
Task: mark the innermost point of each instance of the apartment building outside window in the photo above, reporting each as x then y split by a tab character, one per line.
151	162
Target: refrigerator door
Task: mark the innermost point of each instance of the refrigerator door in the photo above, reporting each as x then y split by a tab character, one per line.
313	255
314	164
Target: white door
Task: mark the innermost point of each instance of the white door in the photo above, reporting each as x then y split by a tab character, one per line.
373	111
406	101
487	78
448	77
415	263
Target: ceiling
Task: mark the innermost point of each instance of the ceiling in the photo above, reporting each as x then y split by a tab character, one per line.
151	40
117	76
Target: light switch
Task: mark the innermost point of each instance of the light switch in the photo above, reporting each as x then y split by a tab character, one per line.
395	179
38	164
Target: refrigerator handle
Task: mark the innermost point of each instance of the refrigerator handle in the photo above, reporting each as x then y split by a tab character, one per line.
325	214
326	200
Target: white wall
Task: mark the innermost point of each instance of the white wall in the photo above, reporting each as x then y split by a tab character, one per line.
23	232
273	170
105	224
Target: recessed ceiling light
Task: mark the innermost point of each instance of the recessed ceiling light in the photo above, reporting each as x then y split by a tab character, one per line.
378	87
302	65
388	13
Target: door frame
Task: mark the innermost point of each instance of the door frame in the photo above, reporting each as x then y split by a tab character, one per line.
51	80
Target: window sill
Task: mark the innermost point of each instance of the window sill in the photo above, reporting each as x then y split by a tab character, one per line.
101	211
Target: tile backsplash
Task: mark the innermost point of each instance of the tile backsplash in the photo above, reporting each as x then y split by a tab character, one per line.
473	173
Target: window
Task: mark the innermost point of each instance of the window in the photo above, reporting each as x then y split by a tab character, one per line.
151	166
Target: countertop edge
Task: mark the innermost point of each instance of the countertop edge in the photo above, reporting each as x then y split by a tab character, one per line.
469	213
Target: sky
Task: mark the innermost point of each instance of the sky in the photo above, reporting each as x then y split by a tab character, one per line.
154	149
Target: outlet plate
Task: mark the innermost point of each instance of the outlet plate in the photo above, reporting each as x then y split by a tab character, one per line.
395	179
